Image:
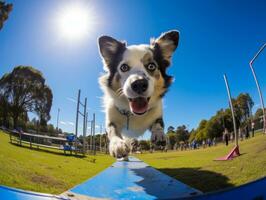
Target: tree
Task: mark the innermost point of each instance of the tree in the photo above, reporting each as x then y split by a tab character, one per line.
242	106
4	115
25	91
182	133
258	114
172	139
43	104
171	136
5	9
200	131
144	145
214	127
258	119
170	129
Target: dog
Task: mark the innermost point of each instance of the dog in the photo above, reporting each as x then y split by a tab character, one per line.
134	85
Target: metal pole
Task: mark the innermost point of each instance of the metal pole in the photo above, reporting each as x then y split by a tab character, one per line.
258	86
232	109
58	111
100	138
77	121
87	131
94	147
106	142
84	126
91	135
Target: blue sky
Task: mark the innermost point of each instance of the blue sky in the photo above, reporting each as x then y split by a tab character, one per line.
216	37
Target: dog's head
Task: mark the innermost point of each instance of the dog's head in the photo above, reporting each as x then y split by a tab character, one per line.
137	73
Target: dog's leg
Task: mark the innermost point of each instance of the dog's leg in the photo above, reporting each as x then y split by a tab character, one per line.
118	147
157	133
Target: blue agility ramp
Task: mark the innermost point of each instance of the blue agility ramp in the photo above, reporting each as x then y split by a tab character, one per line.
7	193
133	180
137	180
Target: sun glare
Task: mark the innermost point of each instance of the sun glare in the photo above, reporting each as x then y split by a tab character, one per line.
75	22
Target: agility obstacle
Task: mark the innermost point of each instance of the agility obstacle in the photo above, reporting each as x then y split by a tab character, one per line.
137	180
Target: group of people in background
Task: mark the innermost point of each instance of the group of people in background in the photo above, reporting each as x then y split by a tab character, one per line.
243	133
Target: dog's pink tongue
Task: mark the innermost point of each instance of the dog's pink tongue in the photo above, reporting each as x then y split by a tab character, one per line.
139	105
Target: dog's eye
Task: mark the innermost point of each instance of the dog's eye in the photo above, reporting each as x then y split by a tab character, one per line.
151	67
124	68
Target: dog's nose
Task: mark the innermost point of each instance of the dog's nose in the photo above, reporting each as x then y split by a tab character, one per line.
139	86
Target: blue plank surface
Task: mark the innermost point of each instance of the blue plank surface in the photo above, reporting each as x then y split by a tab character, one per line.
7	193
255	190
133	180
137	180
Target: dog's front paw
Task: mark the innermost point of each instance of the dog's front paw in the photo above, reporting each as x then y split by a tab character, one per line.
118	148
158	137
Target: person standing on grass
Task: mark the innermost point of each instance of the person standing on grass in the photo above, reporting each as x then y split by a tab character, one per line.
214	141
253	128
203	143
226	136
247	132
209	142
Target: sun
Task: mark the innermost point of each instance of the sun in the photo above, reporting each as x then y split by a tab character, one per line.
75	22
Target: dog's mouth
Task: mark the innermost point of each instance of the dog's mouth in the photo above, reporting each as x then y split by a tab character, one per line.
139	105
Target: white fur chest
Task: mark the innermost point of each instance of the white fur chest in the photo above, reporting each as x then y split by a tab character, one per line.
137	125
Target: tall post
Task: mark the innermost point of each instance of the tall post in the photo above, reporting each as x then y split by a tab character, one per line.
94	147
232	108
91	135
58	111
258	86
106	142
87	146
84	126
77	121
100	138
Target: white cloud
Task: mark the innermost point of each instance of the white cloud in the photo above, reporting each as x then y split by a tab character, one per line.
71	99
62	122
70	123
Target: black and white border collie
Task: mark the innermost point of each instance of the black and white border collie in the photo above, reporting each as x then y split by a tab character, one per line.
135	82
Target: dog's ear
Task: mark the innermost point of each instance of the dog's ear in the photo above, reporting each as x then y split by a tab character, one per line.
166	44
110	49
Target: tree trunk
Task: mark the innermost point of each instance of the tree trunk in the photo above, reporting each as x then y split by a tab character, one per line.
15	121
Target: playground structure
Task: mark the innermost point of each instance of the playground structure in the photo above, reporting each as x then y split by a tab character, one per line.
70	143
91	146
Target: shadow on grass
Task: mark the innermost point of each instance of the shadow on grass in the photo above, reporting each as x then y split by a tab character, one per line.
40	149
203	180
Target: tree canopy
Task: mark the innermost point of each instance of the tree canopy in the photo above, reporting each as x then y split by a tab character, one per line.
24	90
215	126
5	9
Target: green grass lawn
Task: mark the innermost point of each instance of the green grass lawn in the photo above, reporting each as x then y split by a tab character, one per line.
197	168
42	171
52	172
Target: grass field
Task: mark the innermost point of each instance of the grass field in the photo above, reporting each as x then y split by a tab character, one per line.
197	168
52	172
42	171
